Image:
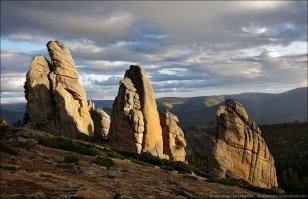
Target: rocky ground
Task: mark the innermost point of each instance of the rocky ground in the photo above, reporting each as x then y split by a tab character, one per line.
36	171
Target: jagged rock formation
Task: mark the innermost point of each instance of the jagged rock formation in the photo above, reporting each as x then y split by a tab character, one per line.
240	151
173	137
56	102
135	124
101	121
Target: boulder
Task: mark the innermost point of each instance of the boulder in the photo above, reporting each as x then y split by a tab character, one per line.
101	121
173	137
56	102
240	150
135	124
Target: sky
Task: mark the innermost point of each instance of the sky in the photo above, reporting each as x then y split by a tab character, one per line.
187	48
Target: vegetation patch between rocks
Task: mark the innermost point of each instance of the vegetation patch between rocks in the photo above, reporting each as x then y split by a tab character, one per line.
7	149
103	161
241	183
71	159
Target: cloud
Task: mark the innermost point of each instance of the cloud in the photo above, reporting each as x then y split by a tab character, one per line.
12	84
187	48
256	31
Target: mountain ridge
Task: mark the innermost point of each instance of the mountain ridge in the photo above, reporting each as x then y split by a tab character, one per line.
264	108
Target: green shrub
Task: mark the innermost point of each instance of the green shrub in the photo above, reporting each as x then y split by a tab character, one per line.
241	183
183	167
20	144
103	161
71	159
7	149
167	168
146	157
202	172
141	162
114	154
3	130
69	145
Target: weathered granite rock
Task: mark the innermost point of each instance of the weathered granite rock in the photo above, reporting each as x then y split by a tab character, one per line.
240	151
56	102
100	119
135	124
173	137
40	105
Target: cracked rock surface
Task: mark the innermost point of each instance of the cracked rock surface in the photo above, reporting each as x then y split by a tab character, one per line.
240	151
56	101
173	137
135	124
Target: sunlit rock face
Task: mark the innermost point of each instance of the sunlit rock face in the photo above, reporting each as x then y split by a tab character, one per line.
135	124
56	102
240	151
173	137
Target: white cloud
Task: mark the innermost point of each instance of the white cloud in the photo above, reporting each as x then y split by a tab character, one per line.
173	71
12	84
254	30
105	64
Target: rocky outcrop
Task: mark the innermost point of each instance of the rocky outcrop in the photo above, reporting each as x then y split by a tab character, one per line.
56	102
101	121
240	151
135	124
173	137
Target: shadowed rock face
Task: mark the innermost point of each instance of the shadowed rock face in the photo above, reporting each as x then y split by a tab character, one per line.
135	124
173	137
56	102
240	151
101	121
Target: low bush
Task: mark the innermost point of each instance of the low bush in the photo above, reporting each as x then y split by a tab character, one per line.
71	159
3	130
167	168
183	167
241	183
202	172
7	149
141	162
148	159
103	161
179	166
69	145
114	154
20	144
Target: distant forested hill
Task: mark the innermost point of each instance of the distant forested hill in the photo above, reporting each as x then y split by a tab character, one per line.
263	108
